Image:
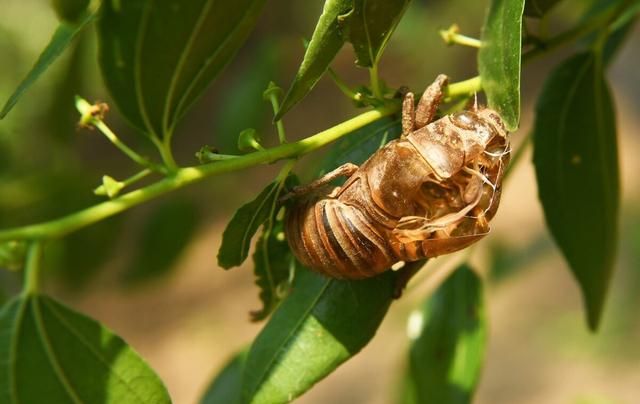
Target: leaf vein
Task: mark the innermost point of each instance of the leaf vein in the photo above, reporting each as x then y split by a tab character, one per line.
182	60
13	382
304	315
94	352
51	354
560	134
366	32
137	68
184	98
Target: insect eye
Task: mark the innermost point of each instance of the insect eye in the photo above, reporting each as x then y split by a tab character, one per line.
465	120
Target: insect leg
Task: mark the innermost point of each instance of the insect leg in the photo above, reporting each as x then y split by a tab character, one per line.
345	170
428	104
408	114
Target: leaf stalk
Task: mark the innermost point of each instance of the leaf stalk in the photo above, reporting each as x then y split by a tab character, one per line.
164	148
342	86
271	94
32	268
91	115
375	82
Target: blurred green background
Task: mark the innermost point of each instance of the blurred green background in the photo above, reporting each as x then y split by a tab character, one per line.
151	275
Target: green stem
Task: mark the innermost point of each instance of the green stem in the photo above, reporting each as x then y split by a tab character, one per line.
452	36
167	155
164	147
136	177
279	125
466	87
467	41
342	86
280	128
113	138
188	175
92	115
272	93
32	268
207	156
285	170
375	81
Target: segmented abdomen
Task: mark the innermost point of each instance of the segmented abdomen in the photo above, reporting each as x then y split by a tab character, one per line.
341	241
338	240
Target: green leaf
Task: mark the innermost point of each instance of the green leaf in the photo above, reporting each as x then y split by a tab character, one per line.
321	324
447	350
326	41
61	120
273	266
157	58
370	26
226	387
538	8
237	236
166	234
62	38
576	162
241	108
499	59
50	354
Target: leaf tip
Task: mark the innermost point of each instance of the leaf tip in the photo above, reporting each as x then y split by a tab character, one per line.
224	262
6	108
594	308
285	106
512	125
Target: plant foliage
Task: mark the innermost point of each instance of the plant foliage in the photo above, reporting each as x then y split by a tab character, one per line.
158	58
577	170
72	358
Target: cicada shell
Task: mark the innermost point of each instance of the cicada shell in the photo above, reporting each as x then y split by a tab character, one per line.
429	193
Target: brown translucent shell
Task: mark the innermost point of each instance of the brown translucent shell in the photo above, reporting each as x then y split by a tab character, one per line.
429	193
